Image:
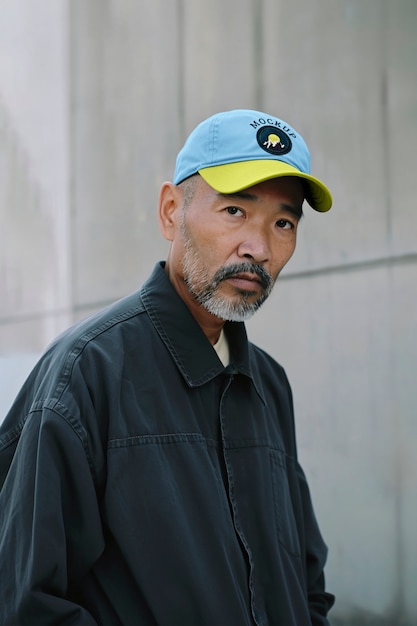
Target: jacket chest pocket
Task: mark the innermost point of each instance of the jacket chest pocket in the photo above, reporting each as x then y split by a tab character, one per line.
284	512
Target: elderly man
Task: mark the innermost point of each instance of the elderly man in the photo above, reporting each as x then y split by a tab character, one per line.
149	463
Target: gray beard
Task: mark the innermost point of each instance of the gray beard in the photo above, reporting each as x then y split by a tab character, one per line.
205	289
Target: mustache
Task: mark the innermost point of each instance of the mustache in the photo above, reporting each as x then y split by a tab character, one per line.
229	271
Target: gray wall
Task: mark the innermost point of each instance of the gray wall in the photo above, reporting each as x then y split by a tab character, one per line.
95	100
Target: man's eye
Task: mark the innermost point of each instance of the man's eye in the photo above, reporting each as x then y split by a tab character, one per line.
234	210
285	224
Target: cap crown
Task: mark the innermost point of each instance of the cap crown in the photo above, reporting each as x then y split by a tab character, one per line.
241	135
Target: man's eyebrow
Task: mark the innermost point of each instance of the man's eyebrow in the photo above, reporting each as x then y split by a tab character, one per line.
294	210
243	195
246	195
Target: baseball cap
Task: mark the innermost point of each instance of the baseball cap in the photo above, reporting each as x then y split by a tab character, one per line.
234	150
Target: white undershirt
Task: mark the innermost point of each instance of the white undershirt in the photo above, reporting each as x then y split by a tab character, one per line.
222	349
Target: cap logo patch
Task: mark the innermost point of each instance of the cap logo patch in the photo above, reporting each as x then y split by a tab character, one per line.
273	140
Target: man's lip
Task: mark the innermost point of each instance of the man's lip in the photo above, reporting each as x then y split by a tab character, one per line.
245	279
247	276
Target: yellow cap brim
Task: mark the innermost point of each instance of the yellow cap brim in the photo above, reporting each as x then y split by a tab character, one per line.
233	177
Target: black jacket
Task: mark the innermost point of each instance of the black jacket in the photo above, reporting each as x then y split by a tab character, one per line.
144	483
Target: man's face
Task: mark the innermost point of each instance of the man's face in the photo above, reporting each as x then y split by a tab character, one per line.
228	250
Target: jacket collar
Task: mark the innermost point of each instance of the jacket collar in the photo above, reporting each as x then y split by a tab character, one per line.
182	335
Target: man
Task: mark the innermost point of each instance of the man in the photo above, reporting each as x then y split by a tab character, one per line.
149	463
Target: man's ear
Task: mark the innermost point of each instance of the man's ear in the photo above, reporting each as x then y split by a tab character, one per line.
169	206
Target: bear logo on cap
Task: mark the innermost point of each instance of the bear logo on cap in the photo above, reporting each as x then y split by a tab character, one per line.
272	142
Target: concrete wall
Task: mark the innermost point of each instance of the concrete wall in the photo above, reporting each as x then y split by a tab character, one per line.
95	101
35	255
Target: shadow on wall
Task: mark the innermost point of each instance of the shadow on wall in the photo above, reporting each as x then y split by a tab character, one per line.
14	370
363	618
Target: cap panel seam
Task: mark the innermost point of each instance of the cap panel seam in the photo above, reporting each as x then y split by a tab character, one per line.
214	138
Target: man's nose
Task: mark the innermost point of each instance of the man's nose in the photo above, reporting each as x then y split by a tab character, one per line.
255	247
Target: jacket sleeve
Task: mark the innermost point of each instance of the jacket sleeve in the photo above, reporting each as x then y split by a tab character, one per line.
320	602
50	527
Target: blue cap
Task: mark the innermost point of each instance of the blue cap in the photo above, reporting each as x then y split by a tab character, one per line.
237	149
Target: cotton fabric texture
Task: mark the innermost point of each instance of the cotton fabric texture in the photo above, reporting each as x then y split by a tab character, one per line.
144	483
234	150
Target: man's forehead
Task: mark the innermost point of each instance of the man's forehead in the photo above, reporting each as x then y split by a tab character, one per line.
290	187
